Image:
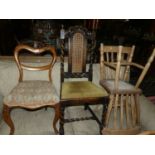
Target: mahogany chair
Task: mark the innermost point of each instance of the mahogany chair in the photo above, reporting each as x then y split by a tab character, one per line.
123	115
32	94
80	45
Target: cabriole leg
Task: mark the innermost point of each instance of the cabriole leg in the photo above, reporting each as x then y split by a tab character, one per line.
56	117
7	118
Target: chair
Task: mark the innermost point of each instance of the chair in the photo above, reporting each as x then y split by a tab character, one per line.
76	92
123	114
147	132
32	94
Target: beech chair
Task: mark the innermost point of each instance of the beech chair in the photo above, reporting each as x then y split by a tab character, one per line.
76	92
148	132
123	114
32	94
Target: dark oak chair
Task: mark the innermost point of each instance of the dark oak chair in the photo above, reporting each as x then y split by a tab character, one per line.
80	45
32	94
123	114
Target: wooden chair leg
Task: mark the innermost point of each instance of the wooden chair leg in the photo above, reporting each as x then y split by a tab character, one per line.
104	112
56	117
7	118
85	107
61	125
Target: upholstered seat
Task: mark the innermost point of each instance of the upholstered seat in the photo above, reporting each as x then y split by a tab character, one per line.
81	89
32	94
123	87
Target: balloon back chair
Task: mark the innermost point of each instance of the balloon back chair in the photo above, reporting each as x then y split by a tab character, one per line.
123	112
32	94
77	91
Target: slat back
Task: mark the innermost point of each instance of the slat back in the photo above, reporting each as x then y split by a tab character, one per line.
28	49
109	54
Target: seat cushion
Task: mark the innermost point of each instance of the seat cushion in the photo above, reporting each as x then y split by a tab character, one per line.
32	94
81	89
123	87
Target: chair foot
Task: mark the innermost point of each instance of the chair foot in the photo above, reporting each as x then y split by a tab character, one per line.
104	111
56	117
61	129
7	118
85	107
61	123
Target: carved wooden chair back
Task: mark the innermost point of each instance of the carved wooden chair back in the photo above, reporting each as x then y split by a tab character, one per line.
80	45
21	66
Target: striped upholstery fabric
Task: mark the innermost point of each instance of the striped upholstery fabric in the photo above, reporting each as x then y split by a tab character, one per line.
123	87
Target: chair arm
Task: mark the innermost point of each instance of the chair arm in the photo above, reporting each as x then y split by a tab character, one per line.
111	65
132	64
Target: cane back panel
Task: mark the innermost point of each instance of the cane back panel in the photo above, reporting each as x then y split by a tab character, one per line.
80	45
77	53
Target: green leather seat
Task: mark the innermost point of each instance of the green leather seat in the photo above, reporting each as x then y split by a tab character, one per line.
81	89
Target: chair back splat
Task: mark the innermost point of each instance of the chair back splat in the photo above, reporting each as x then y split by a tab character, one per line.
79	44
21	66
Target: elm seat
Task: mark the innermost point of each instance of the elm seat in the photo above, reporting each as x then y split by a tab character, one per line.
81	89
32	94
123	87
